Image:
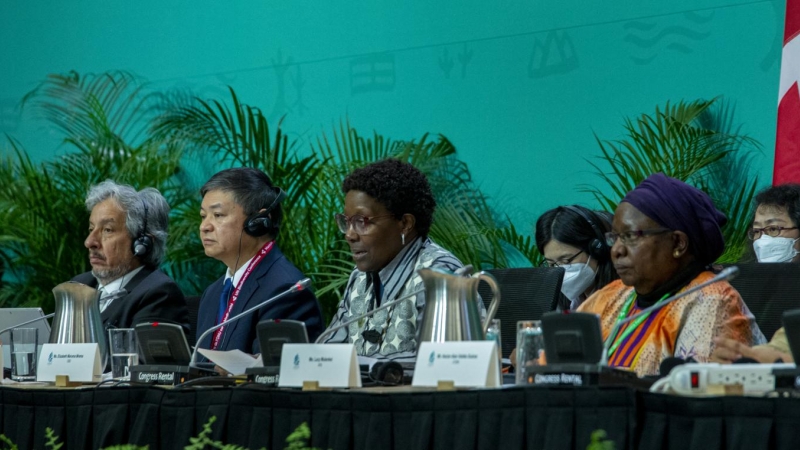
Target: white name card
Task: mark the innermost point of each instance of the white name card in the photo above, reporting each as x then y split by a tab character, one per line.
331	365
465	363
81	362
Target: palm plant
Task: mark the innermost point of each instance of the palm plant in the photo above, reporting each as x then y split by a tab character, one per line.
115	128
42	212
695	142
239	135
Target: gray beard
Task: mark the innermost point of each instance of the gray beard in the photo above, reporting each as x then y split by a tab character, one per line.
107	276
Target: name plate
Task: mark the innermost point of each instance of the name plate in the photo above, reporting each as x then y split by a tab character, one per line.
81	362
465	363
268	376
164	375
331	365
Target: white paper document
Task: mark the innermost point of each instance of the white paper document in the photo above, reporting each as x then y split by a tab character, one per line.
233	361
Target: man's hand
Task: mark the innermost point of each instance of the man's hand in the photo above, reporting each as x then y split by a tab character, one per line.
729	350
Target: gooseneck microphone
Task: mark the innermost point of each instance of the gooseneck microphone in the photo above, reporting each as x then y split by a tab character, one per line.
333	330
301	285
726	274
27	322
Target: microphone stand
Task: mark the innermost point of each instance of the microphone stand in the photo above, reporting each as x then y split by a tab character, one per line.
333	330
726	274
27	322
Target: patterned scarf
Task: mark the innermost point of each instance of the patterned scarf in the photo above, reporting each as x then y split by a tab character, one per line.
396	325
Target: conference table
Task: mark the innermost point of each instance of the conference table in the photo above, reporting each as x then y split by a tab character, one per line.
529	417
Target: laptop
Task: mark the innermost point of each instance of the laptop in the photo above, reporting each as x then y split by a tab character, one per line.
11	318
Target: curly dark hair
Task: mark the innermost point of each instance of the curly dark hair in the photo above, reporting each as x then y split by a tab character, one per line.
398	186
783	196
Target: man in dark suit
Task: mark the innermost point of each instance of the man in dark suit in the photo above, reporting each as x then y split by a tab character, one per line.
241	215
127	242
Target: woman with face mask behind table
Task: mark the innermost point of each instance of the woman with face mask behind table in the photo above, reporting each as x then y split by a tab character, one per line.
573	237
664	237
775	235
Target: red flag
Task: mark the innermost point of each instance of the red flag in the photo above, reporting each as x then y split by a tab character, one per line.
787	143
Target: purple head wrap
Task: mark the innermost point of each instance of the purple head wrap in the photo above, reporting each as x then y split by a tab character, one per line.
678	206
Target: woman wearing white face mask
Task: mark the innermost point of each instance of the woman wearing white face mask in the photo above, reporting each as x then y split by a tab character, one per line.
572	237
775	235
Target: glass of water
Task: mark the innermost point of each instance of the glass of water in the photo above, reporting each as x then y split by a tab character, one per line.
493	334
530	347
124	349
24	343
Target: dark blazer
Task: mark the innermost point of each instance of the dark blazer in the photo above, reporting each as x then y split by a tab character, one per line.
272	276
152	296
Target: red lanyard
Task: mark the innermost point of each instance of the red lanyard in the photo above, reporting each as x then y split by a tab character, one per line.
253	264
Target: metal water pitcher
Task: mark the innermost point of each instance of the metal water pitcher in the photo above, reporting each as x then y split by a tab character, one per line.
452	311
77	317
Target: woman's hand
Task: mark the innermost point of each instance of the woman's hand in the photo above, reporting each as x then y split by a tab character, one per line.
729	350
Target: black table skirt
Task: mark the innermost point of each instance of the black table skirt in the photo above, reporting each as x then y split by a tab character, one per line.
517	418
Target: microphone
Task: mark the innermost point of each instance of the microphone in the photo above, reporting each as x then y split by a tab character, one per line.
27	322
333	330
726	274
303	284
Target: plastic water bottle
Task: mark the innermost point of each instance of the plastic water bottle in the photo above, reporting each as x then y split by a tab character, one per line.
530	347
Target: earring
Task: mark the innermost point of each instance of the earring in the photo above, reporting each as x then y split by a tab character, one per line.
403	238
676	253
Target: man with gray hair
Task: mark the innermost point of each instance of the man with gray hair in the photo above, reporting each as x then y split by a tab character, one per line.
127	242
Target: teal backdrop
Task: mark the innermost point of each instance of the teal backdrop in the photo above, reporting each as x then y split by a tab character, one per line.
520	87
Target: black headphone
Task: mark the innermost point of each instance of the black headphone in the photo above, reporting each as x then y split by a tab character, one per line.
143	242
260	224
597	247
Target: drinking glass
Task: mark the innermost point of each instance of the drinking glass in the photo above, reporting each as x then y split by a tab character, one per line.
493	334
530	347
124	351
24	342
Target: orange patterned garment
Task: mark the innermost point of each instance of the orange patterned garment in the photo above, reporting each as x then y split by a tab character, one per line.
684	328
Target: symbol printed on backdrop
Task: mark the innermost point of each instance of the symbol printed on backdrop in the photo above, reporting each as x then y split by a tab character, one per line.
553	56
374	73
653	38
446	62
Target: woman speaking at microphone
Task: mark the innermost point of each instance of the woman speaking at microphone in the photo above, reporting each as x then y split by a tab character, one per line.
388	210
665	235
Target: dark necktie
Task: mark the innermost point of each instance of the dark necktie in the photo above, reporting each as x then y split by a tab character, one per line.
227	287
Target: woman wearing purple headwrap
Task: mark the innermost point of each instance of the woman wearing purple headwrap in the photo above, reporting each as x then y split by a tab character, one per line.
664	237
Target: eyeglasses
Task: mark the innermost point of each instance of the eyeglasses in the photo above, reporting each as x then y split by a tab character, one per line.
561	262
632	237
771	231
361	224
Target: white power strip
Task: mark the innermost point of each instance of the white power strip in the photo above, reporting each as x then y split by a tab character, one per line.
695	379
